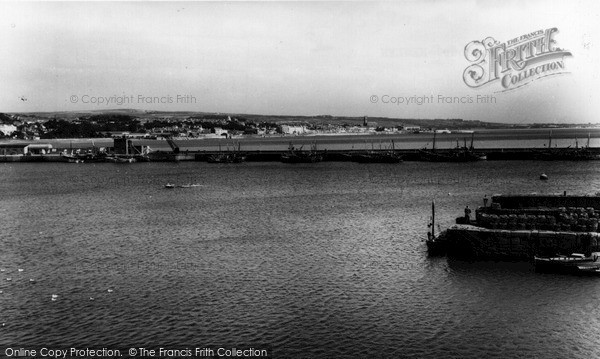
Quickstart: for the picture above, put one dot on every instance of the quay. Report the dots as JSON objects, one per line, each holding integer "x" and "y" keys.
{"x": 164, "y": 155}
{"x": 330, "y": 148}
{"x": 521, "y": 227}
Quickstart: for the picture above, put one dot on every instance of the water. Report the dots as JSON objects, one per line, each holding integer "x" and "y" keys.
{"x": 311, "y": 260}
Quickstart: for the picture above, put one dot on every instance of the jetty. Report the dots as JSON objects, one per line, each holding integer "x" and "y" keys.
{"x": 522, "y": 227}
{"x": 256, "y": 149}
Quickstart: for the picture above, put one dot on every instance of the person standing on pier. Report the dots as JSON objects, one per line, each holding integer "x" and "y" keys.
{"x": 485, "y": 201}
{"x": 467, "y": 215}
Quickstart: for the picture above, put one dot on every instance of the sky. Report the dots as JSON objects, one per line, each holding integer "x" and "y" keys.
{"x": 291, "y": 58}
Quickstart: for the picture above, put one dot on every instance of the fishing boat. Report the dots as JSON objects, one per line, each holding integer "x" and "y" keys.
{"x": 226, "y": 158}
{"x": 235, "y": 156}
{"x": 583, "y": 153}
{"x": 169, "y": 185}
{"x": 69, "y": 158}
{"x": 565, "y": 154}
{"x": 299, "y": 156}
{"x": 458, "y": 154}
{"x": 385, "y": 156}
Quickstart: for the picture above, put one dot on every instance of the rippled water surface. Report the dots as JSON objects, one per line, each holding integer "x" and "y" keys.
{"x": 314, "y": 260}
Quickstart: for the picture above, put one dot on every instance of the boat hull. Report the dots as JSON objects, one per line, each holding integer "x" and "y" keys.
{"x": 377, "y": 158}
{"x": 567, "y": 264}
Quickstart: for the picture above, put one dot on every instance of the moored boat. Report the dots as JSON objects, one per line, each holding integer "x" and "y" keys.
{"x": 436, "y": 245}
{"x": 377, "y": 157}
{"x": 457, "y": 154}
{"x": 574, "y": 263}
{"x": 299, "y": 156}
{"x": 235, "y": 156}
{"x": 226, "y": 158}
{"x": 382, "y": 156}
{"x": 120, "y": 159}
{"x": 565, "y": 154}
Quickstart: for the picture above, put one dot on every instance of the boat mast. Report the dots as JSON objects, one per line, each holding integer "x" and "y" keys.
{"x": 588, "y": 142}
{"x": 472, "y": 136}
{"x": 434, "y": 133}
{"x": 432, "y": 219}
{"x": 550, "y": 140}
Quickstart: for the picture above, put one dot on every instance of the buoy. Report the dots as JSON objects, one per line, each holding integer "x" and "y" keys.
{"x": 8, "y": 279}
{"x": 110, "y": 290}
{"x": 31, "y": 280}
{"x": 543, "y": 177}
{"x": 91, "y": 298}
{"x": 20, "y": 269}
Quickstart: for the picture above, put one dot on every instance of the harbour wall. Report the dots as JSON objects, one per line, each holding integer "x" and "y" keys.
{"x": 548, "y": 201}
{"x": 481, "y": 243}
{"x": 515, "y": 154}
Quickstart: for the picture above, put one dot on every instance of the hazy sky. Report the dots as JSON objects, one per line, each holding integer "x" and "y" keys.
{"x": 290, "y": 58}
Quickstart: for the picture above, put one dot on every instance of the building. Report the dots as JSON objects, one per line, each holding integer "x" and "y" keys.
{"x": 8, "y": 129}
{"x": 219, "y": 131}
{"x": 27, "y": 149}
{"x": 293, "y": 130}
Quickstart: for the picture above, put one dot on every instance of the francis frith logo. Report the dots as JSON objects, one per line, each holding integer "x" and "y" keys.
{"x": 516, "y": 62}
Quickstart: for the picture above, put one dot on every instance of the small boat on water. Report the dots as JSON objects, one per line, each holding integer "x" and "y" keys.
{"x": 189, "y": 185}
{"x": 574, "y": 263}
{"x": 120, "y": 159}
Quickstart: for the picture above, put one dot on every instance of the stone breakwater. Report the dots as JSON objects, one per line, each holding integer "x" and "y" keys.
{"x": 517, "y": 227}
{"x": 483, "y": 243}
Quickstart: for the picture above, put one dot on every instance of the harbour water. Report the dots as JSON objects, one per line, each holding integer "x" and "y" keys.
{"x": 323, "y": 260}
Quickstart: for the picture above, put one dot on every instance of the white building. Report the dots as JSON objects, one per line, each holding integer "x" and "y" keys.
{"x": 219, "y": 131}
{"x": 291, "y": 130}
{"x": 8, "y": 129}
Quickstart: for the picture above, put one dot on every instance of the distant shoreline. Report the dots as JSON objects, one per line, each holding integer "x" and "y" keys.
{"x": 482, "y": 140}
